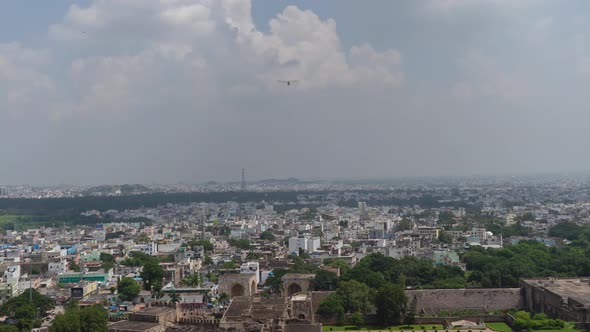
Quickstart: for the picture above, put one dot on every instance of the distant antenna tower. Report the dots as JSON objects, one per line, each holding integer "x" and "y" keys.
{"x": 243, "y": 183}
{"x": 203, "y": 218}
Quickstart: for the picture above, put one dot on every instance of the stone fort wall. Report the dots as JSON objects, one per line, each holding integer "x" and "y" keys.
{"x": 483, "y": 299}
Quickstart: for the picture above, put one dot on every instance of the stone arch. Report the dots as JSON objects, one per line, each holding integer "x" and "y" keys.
{"x": 293, "y": 289}
{"x": 237, "y": 290}
{"x": 301, "y": 316}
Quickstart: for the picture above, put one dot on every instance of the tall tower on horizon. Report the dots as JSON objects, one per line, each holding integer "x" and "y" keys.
{"x": 243, "y": 183}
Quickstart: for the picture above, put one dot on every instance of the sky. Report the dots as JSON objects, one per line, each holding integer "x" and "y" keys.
{"x": 144, "y": 91}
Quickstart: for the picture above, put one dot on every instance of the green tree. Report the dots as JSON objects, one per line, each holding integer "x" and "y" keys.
{"x": 274, "y": 281}
{"x": 267, "y": 235}
{"x": 94, "y": 319}
{"x": 128, "y": 289}
{"x": 73, "y": 266}
{"x": 91, "y": 319}
{"x": 330, "y": 306}
{"x": 191, "y": 280}
{"x": 357, "y": 319}
{"x": 175, "y": 297}
{"x": 405, "y": 225}
{"x": 25, "y": 312}
{"x": 324, "y": 281}
{"x": 152, "y": 275}
{"x": 445, "y": 237}
{"x": 142, "y": 238}
{"x": 355, "y": 296}
{"x": 302, "y": 266}
{"x": 108, "y": 261}
{"x": 252, "y": 255}
{"x": 208, "y": 261}
{"x": 26, "y": 317}
{"x": 341, "y": 264}
{"x": 66, "y": 322}
{"x": 568, "y": 230}
{"x": 138, "y": 258}
{"x": 391, "y": 304}
{"x": 228, "y": 265}
{"x": 156, "y": 289}
{"x": 243, "y": 244}
{"x": 410, "y": 317}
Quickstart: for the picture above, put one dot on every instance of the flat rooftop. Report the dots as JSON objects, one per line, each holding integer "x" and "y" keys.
{"x": 575, "y": 288}
{"x": 299, "y": 297}
{"x": 133, "y": 326}
{"x": 154, "y": 311}
{"x": 237, "y": 276}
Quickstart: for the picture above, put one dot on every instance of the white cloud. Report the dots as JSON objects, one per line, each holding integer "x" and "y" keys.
{"x": 135, "y": 50}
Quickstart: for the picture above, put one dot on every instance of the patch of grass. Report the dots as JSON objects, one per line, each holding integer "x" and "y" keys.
{"x": 327, "y": 328}
{"x": 569, "y": 327}
{"x": 503, "y": 327}
{"x": 6, "y": 219}
{"x": 22, "y": 222}
{"x": 499, "y": 327}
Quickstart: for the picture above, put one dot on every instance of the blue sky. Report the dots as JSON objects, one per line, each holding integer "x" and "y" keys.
{"x": 111, "y": 91}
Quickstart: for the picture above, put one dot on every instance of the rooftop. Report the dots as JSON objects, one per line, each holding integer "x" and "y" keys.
{"x": 574, "y": 288}
{"x": 154, "y": 311}
{"x": 299, "y": 297}
{"x": 133, "y": 326}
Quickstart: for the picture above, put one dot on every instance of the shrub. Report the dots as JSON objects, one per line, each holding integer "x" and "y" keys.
{"x": 540, "y": 316}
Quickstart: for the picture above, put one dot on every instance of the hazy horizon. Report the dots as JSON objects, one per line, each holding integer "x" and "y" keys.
{"x": 135, "y": 91}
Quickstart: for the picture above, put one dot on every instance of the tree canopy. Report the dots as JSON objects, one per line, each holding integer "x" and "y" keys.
{"x": 355, "y": 296}
{"x": 89, "y": 319}
{"x": 152, "y": 275}
{"x": 391, "y": 304}
{"x": 27, "y": 313}
{"x": 267, "y": 235}
{"x": 504, "y": 267}
{"x": 324, "y": 281}
{"x": 128, "y": 289}
{"x": 108, "y": 261}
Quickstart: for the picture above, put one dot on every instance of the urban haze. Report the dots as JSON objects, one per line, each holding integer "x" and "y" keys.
{"x": 294, "y": 166}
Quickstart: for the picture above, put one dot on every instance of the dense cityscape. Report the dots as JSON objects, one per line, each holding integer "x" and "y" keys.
{"x": 151, "y": 258}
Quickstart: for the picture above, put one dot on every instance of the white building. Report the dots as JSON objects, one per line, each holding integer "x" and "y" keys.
{"x": 481, "y": 233}
{"x": 251, "y": 268}
{"x": 147, "y": 248}
{"x": 12, "y": 274}
{"x": 309, "y": 244}
{"x": 57, "y": 267}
